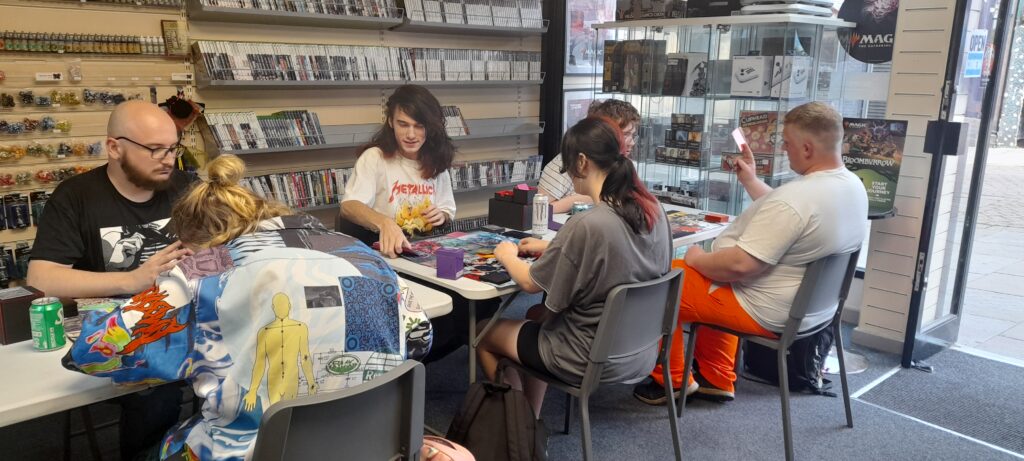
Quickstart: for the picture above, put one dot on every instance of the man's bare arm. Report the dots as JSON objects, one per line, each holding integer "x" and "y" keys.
{"x": 727, "y": 265}
{"x": 392, "y": 239}
{"x": 64, "y": 282}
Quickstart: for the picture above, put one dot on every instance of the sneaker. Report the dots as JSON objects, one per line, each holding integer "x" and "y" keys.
{"x": 708, "y": 391}
{"x": 652, "y": 393}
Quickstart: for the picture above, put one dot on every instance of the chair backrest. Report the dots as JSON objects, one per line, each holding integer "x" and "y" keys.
{"x": 824, "y": 287}
{"x": 379, "y": 419}
{"x": 636, "y": 316}
{"x": 354, "y": 230}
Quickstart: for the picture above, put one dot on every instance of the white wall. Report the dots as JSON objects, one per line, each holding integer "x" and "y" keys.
{"x": 915, "y": 87}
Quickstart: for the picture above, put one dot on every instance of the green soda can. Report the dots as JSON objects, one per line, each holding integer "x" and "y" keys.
{"x": 47, "y": 318}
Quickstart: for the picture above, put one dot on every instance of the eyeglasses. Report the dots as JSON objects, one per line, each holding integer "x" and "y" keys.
{"x": 634, "y": 136}
{"x": 158, "y": 153}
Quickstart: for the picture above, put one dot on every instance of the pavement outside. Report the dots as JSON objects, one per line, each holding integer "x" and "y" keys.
{"x": 993, "y": 314}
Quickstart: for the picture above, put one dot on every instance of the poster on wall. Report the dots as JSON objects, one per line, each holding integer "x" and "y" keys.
{"x": 872, "y": 40}
{"x": 977, "y": 41}
{"x": 584, "y": 55}
{"x": 575, "y": 105}
{"x": 873, "y": 150}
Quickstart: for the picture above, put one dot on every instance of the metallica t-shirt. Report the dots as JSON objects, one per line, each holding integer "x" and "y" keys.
{"x": 89, "y": 225}
{"x": 388, "y": 185}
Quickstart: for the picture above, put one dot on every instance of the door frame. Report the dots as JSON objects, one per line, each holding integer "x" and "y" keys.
{"x": 923, "y": 342}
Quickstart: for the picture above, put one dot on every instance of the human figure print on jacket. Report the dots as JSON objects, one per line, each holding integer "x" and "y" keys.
{"x": 247, "y": 325}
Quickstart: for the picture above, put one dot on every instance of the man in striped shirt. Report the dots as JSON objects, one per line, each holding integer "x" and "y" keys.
{"x": 557, "y": 185}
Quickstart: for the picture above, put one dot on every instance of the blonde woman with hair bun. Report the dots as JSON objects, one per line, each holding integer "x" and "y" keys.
{"x": 271, "y": 306}
{"x": 218, "y": 209}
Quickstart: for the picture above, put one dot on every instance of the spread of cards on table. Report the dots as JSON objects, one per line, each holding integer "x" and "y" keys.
{"x": 478, "y": 247}
{"x": 684, "y": 223}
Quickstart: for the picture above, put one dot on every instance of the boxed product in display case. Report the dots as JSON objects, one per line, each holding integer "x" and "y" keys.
{"x": 626, "y": 10}
{"x": 762, "y": 130}
{"x": 709, "y": 8}
{"x": 790, "y": 76}
{"x": 751, "y": 76}
{"x": 696, "y": 75}
{"x": 675, "y": 75}
{"x": 634, "y": 66}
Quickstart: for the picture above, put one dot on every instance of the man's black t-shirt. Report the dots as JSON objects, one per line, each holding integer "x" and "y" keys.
{"x": 89, "y": 225}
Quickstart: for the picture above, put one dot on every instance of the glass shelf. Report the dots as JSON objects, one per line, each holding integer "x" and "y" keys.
{"x": 729, "y": 72}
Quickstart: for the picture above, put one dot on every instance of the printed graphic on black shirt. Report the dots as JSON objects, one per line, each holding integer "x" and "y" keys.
{"x": 127, "y": 247}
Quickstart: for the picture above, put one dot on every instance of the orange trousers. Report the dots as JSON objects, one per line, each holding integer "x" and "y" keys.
{"x": 715, "y": 351}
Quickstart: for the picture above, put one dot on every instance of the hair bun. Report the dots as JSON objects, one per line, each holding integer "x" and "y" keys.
{"x": 225, "y": 170}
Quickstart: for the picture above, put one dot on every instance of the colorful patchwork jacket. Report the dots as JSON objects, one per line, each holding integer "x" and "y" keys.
{"x": 290, "y": 310}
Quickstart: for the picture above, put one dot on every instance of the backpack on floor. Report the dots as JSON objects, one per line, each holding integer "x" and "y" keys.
{"x": 496, "y": 423}
{"x": 803, "y": 365}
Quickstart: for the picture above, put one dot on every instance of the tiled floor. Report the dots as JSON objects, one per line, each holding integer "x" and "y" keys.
{"x": 993, "y": 317}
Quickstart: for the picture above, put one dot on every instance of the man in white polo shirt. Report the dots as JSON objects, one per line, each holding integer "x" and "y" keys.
{"x": 749, "y": 279}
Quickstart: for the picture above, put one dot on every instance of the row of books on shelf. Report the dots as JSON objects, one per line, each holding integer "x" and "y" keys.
{"x": 369, "y": 8}
{"x": 495, "y": 172}
{"x": 499, "y": 13}
{"x": 246, "y": 130}
{"x": 289, "y": 62}
{"x": 305, "y": 189}
{"x": 301, "y": 189}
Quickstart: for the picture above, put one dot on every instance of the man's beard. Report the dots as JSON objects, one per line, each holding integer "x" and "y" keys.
{"x": 139, "y": 178}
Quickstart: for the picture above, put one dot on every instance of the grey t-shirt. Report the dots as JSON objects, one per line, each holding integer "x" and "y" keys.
{"x": 594, "y": 252}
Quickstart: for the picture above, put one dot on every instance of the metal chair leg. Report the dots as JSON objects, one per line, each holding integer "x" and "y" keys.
{"x": 691, "y": 343}
{"x": 676, "y": 446}
{"x": 842, "y": 374}
{"x": 90, "y": 433}
{"x": 568, "y": 412}
{"x": 787, "y": 430}
{"x": 67, "y": 435}
{"x": 585, "y": 427}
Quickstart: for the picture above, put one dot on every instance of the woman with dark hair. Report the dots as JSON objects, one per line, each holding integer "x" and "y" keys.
{"x": 622, "y": 239}
{"x": 400, "y": 182}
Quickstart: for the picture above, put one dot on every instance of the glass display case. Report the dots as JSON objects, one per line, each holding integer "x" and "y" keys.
{"x": 695, "y": 80}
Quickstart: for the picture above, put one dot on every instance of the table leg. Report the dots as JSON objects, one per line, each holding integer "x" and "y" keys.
{"x": 472, "y": 341}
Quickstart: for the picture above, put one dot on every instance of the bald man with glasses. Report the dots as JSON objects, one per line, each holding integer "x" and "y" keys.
{"x": 106, "y": 233}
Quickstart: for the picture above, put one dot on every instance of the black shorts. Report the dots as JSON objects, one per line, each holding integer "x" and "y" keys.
{"x": 527, "y": 346}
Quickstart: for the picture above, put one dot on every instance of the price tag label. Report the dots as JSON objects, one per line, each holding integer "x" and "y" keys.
{"x": 111, "y": 79}
{"x": 49, "y": 76}
{"x": 181, "y": 77}
{"x": 158, "y": 79}
{"x": 55, "y": 105}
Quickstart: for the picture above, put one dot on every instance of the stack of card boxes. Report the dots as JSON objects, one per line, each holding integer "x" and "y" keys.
{"x": 682, "y": 141}
{"x": 512, "y": 209}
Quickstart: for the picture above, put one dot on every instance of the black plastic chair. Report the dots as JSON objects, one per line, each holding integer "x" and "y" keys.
{"x": 379, "y": 419}
{"x": 636, "y": 318}
{"x": 354, "y": 230}
{"x": 825, "y": 286}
